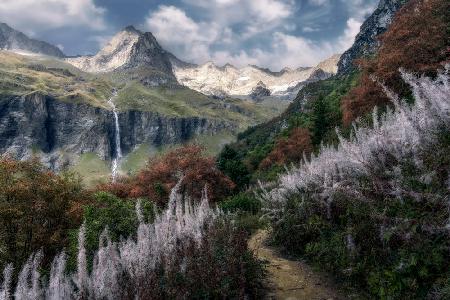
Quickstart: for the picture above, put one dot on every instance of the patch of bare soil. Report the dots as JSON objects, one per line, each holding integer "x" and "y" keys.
{"x": 292, "y": 279}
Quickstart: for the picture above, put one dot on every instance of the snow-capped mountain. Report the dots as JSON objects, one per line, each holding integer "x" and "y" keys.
{"x": 129, "y": 48}
{"x": 231, "y": 81}
{"x": 113, "y": 55}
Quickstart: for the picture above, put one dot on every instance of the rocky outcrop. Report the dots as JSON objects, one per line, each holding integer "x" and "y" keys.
{"x": 61, "y": 131}
{"x": 260, "y": 91}
{"x": 11, "y": 39}
{"x": 366, "y": 42}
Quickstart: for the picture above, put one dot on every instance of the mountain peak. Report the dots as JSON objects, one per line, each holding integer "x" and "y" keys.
{"x": 4, "y": 26}
{"x": 250, "y": 81}
{"x": 112, "y": 56}
{"x": 128, "y": 49}
{"x": 131, "y": 28}
{"x": 11, "y": 39}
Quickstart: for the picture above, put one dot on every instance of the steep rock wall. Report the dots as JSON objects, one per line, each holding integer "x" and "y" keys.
{"x": 61, "y": 131}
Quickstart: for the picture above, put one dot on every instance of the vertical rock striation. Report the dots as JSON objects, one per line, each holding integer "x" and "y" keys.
{"x": 61, "y": 131}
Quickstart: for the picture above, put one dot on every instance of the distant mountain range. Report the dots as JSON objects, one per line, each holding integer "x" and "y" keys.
{"x": 237, "y": 82}
{"x": 62, "y": 107}
{"x": 131, "y": 48}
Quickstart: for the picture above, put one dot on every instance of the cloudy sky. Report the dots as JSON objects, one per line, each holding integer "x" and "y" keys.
{"x": 268, "y": 33}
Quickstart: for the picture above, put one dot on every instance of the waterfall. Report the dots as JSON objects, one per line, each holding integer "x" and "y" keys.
{"x": 118, "y": 154}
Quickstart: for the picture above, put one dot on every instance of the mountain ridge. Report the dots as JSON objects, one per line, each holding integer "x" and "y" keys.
{"x": 228, "y": 80}
{"x": 11, "y": 39}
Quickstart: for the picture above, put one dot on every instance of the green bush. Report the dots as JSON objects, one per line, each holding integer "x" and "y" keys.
{"x": 110, "y": 213}
{"x": 243, "y": 202}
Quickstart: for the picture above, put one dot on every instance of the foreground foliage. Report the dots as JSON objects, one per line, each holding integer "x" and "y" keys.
{"x": 187, "y": 251}
{"x": 37, "y": 210}
{"x": 375, "y": 209}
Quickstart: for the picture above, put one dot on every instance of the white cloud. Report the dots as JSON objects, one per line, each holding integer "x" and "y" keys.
{"x": 270, "y": 10}
{"x": 194, "y": 40}
{"x": 173, "y": 28}
{"x": 214, "y": 39}
{"x": 252, "y": 16}
{"x": 27, "y": 15}
{"x": 350, "y": 32}
{"x": 286, "y": 50}
{"x": 310, "y": 29}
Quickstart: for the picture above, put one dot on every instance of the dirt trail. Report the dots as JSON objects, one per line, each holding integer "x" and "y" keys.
{"x": 290, "y": 279}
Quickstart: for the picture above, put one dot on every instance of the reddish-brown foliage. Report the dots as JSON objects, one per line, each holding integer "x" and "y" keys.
{"x": 162, "y": 173}
{"x": 37, "y": 208}
{"x": 362, "y": 99}
{"x": 417, "y": 41}
{"x": 289, "y": 149}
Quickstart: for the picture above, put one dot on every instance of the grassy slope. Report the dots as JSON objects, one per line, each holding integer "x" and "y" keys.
{"x": 25, "y": 74}
{"x": 255, "y": 143}
{"x": 22, "y": 74}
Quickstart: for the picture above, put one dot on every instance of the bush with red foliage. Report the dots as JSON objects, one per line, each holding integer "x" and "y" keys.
{"x": 37, "y": 210}
{"x": 161, "y": 174}
{"x": 417, "y": 41}
{"x": 289, "y": 149}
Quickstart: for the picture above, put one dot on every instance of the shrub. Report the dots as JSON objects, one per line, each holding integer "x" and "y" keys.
{"x": 374, "y": 209}
{"x": 115, "y": 214}
{"x": 416, "y": 41}
{"x": 289, "y": 150}
{"x": 231, "y": 165}
{"x": 189, "y": 251}
{"x": 37, "y": 210}
{"x": 243, "y": 202}
{"x": 162, "y": 173}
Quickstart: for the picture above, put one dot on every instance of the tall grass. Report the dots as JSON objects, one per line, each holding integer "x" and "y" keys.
{"x": 165, "y": 260}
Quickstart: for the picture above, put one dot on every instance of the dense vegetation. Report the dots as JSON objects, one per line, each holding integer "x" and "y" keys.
{"x": 417, "y": 41}
{"x": 37, "y": 210}
{"x": 157, "y": 179}
{"x": 374, "y": 211}
{"x": 160, "y": 242}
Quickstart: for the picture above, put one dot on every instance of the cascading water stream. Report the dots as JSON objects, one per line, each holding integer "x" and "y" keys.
{"x": 118, "y": 154}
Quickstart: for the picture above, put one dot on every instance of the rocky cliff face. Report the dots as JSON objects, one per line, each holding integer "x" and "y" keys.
{"x": 366, "y": 42}
{"x": 61, "y": 131}
{"x": 11, "y": 39}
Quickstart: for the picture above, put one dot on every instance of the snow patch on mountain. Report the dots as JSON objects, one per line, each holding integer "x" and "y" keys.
{"x": 229, "y": 80}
